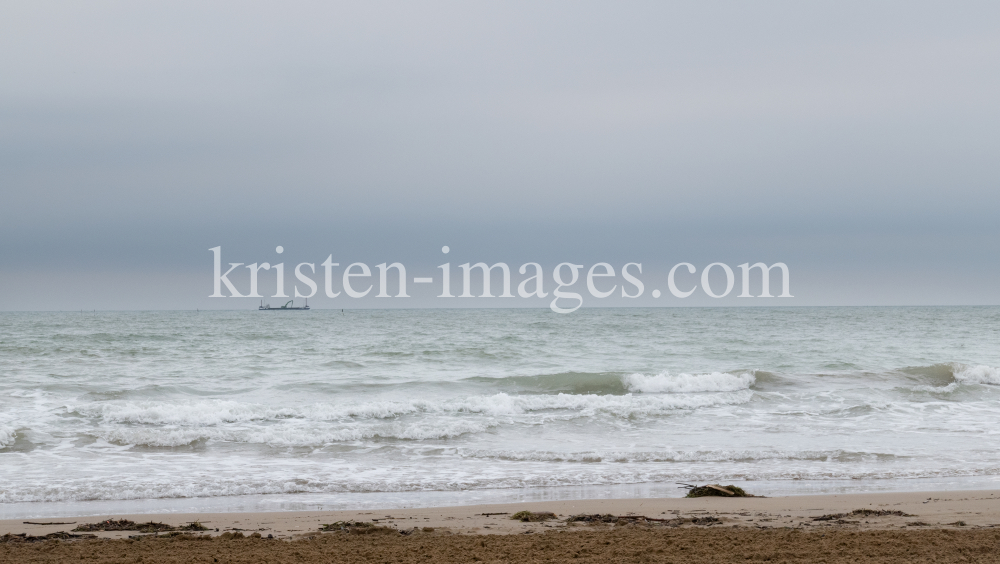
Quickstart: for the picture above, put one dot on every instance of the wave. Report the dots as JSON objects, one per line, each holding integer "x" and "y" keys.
{"x": 947, "y": 378}
{"x": 737, "y": 455}
{"x": 341, "y": 479}
{"x": 220, "y": 412}
{"x": 566, "y": 382}
{"x": 165, "y": 424}
{"x": 935, "y": 374}
{"x": 7, "y": 436}
{"x": 980, "y": 374}
{"x": 202, "y": 413}
{"x": 611, "y": 383}
{"x": 688, "y": 383}
{"x": 297, "y": 436}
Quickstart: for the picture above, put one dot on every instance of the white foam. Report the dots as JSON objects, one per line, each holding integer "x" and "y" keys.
{"x": 735, "y": 455}
{"x": 7, "y": 436}
{"x": 980, "y": 374}
{"x": 294, "y": 435}
{"x": 175, "y": 424}
{"x": 665, "y": 382}
{"x": 502, "y": 404}
{"x": 936, "y": 389}
{"x": 207, "y": 413}
{"x": 333, "y": 477}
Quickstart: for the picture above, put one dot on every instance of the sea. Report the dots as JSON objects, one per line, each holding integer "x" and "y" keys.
{"x": 170, "y": 411}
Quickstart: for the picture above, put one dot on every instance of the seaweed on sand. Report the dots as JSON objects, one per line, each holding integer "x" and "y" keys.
{"x": 22, "y": 537}
{"x": 152, "y": 527}
{"x": 357, "y": 528}
{"x": 108, "y": 525}
{"x": 126, "y": 525}
{"x": 716, "y": 490}
{"x": 861, "y": 513}
{"x": 345, "y": 525}
{"x": 533, "y": 516}
{"x": 596, "y": 518}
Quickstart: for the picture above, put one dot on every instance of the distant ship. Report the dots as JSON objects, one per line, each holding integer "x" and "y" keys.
{"x": 286, "y": 307}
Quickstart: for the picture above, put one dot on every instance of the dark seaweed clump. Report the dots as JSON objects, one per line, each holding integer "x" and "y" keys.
{"x": 357, "y": 528}
{"x": 533, "y": 516}
{"x": 717, "y": 490}
{"x": 126, "y": 525}
{"x": 61, "y": 535}
{"x": 596, "y": 518}
{"x": 861, "y": 513}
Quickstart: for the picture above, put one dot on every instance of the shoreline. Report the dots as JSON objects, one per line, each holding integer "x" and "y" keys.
{"x": 931, "y": 509}
{"x": 378, "y": 501}
{"x": 894, "y": 528}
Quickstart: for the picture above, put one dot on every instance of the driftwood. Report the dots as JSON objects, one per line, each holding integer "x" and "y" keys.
{"x": 720, "y": 489}
{"x": 33, "y": 523}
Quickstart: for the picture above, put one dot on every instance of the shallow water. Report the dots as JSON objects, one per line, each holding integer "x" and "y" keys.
{"x": 320, "y": 407}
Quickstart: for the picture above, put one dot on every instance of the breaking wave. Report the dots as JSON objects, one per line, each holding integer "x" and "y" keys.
{"x": 689, "y": 383}
{"x": 340, "y": 479}
{"x": 7, "y": 436}
{"x": 296, "y": 436}
{"x": 220, "y": 412}
{"x": 565, "y": 382}
{"x": 980, "y": 374}
{"x": 739, "y": 455}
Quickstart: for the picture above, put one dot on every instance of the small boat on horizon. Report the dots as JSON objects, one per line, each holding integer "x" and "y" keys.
{"x": 286, "y": 307}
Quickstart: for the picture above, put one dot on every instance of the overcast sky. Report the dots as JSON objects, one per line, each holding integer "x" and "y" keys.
{"x": 858, "y": 142}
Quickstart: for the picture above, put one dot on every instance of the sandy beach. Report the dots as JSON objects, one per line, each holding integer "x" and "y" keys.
{"x": 889, "y": 527}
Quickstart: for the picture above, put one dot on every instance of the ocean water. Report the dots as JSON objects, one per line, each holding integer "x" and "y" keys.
{"x": 164, "y": 411}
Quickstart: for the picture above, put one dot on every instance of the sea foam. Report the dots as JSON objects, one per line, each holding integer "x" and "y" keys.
{"x": 665, "y": 382}
{"x": 980, "y": 374}
{"x": 293, "y": 435}
{"x": 7, "y": 436}
{"x": 207, "y": 413}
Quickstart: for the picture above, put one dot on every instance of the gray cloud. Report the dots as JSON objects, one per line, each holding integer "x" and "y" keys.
{"x": 856, "y": 142}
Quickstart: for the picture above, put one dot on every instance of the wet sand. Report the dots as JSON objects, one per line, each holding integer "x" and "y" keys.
{"x": 894, "y": 527}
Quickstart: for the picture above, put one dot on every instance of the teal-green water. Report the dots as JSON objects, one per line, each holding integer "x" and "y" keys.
{"x": 178, "y": 405}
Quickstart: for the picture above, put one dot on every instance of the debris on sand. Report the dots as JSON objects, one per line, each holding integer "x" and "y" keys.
{"x": 61, "y": 535}
{"x": 715, "y": 490}
{"x": 344, "y": 525}
{"x": 533, "y": 516}
{"x": 595, "y": 518}
{"x": 357, "y": 528}
{"x": 861, "y": 513}
{"x": 152, "y": 527}
{"x": 639, "y": 519}
{"x": 126, "y": 525}
{"x": 108, "y": 525}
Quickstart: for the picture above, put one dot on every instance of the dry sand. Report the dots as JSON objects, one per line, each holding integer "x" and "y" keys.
{"x": 936, "y": 527}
